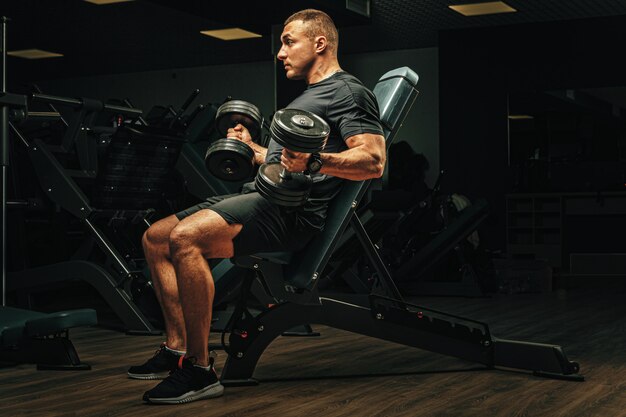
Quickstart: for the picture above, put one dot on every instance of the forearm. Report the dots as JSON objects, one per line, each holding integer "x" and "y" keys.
{"x": 259, "y": 153}
{"x": 239, "y": 132}
{"x": 354, "y": 164}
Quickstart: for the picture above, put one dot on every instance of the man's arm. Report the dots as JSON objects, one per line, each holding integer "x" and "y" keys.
{"x": 364, "y": 159}
{"x": 241, "y": 133}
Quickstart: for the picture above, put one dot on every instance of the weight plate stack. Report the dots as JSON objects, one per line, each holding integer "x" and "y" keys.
{"x": 299, "y": 130}
{"x": 233, "y": 112}
{"x": 230, "y": 160}
{"x": 290, "y": 190}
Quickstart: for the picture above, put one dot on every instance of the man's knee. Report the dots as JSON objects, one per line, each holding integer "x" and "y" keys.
{"x": 186, "y": 239}
{"x": 157, "y": 236}
{"x": 147, "y": 240}
{"x": 206, "y": 234}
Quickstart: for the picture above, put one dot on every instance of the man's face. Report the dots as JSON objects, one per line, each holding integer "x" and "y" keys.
{"x": 297, "y": 51}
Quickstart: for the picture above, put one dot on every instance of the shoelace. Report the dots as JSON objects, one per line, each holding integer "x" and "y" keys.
{"x": 159, "y": 350}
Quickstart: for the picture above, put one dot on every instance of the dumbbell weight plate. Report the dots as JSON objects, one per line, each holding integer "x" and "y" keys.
{"x": 299, "y": 130}
{"x": 291, "y": 193}
{"x": 234, "y": 112}
{"x": 230, "y": 160}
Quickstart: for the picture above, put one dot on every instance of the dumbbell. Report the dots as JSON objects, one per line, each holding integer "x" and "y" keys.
{"x": 296, "y": 130}
{"x": 230, "y": 159}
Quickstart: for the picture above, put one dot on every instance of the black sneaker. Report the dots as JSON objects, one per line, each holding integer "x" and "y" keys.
{"x": 158, "y": 367}
{"x": 187, "y": 383}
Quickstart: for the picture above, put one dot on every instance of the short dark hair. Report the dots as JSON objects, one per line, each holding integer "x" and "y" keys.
{"x": 317, "y": 23}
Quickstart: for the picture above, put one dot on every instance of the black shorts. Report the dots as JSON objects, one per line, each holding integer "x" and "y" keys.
{"x": 266, "y": 226}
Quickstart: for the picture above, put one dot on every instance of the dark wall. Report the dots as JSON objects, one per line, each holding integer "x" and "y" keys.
{"x": 479, "y": 68}
{"x": 251, "y": 81}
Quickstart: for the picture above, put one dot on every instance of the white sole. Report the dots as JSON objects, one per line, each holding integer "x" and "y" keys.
{"x": 211, "y": 391}
{"x": 161, "y": 375}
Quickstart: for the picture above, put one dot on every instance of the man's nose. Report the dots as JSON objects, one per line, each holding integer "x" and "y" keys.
{"x": 281, "y": 54}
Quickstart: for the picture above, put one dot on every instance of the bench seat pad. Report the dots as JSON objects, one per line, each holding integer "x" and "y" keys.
{"x": 15, "y": 323}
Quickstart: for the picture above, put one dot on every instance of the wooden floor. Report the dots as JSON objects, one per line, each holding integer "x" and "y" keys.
{"x": 327, "y": 376}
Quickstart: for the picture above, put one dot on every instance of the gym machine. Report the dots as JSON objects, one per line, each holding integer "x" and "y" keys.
{"x": 196, "y": 127}
{"x": 108, "y": 179}
{"x": 120, "y": 174}
{"x": 386, "y": 316}
{"x": 408, "y": 266}
{"x": 27, "y": 336}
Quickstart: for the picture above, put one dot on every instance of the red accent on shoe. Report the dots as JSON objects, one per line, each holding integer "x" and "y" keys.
{"x": 180, "y": 362}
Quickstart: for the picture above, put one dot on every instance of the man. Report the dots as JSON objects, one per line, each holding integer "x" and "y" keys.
{"x": 177, "y": 247}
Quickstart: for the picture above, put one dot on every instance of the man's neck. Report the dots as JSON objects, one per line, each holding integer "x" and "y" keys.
{"x": 322, "y": 71}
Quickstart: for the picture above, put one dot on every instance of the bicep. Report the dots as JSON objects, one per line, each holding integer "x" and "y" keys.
{"x": 369, "y": 142}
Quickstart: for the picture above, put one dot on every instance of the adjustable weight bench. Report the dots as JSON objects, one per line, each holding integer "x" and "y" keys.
{"x": 27, "y": 336}
{"x": 291, "y": 279}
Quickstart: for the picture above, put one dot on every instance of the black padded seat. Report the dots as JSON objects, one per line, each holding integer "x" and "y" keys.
{"x": 17, "y": 324}
{"x": 59, "y": 321}
{"x": 12, "y": 322}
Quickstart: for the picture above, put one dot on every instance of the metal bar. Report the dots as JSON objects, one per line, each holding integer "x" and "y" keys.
{"x": 3, "y": 43}
{"x": 108, "y": 248}
{"x": 73, "y": 129}
{"x": 66, "y": 101}
{"x": 140, "y": 118}
{"x": 4, "y": 228}
{"x": 123, "y": 110}
{"x": 77, "y": 103}
{"x": 51, "y": 106}
{"x": 193, "y": 114}
{"x": 374, "y": 258}
{"x": 189, "y": 100}
{"x": 4, "y": 154}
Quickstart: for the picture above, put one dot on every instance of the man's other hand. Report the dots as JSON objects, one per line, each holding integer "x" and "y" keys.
{"x": 239, "y": 132}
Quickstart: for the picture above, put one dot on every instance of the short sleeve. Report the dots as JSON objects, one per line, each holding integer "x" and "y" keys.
{"x": 354, "y": 111}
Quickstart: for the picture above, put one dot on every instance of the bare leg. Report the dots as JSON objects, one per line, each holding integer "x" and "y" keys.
{"x": 202, "y": 235}
{"x": 157, "y": 251}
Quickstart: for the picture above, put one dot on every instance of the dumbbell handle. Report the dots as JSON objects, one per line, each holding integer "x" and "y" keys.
{"x": 236, "y": 138}
{"x": 285, "y": 175}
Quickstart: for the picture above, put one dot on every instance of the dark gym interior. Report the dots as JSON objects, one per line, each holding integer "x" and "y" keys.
{"x": 483, "y": 274}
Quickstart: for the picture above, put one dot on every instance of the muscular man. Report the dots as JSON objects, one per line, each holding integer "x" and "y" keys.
{"x": 177, "y": 247}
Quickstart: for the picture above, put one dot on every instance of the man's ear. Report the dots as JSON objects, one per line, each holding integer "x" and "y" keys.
{"x": 320, "y": 44}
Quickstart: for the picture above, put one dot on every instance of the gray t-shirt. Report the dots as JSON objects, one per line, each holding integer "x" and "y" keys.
{"x": 350, "y": 109}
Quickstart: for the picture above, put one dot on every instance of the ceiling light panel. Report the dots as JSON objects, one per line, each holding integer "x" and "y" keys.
{"x": 477, "y": 9}
{"x": 33, "y": 54}
{"x": 520, "y": 117}
{"x": 101, "y": 2}
{"x": 230, "y": 34}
